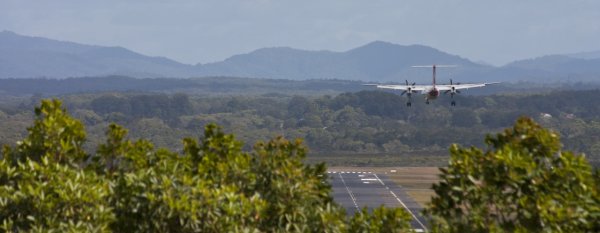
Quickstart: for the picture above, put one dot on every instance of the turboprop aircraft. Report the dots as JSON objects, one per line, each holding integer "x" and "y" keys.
{"x": 432, "y": 91}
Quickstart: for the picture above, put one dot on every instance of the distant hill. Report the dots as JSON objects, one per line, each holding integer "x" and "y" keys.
{"x": 556, "y": 68}
{"x": 586, "y": 55}
{"x": 30, "y": 57}
{"x": 376, "y": 61}
{"x": 24, "y": 56}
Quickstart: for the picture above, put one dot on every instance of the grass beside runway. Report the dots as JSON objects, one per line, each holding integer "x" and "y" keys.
{"x": 413, "y": 159}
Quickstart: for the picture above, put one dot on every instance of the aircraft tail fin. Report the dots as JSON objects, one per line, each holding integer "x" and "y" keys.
{"x": 433, "y": 67}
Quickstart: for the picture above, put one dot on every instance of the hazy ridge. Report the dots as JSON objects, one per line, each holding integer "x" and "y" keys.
{"x": 33, "y": 57}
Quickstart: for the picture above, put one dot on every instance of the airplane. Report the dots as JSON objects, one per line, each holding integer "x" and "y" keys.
{"x": 431, "y": 92}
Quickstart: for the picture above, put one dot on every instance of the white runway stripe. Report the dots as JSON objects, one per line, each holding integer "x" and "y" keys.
{"x": 350, "y": 192}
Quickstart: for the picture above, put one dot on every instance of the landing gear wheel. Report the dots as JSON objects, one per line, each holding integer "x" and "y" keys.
{"x": 408, "y": 104}
{"x": 426, "y": 102}
{"x": 453, "y": 103}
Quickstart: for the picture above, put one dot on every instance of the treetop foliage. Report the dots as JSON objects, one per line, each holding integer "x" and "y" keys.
{"x": 523, "y": 182}
{"x": 48, "y": 183}
{"x": 54, "y": 134}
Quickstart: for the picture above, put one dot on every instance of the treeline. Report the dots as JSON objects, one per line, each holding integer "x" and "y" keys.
{"x": 365, "y": 122}
{"x": 197, "y": 86}
{"x": 219, "y": 86}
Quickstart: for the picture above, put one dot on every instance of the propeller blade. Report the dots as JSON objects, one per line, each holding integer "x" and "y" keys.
{"x": 406, "y": 82}
{"x": 414, "y": 83}
{"x": 446, "y": 92}
{"x": 450, "y": 81}
{"x": 404, "y": 92}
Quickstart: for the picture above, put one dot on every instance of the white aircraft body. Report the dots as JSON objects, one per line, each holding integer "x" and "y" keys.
{"x": 432, "y": 91}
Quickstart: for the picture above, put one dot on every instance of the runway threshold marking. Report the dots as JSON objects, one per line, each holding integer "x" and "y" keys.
{"x": 349, "y": 192}
{"x": 402, "y": 203}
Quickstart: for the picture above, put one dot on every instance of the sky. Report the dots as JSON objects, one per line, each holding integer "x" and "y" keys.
{"x": 204, "y": 31}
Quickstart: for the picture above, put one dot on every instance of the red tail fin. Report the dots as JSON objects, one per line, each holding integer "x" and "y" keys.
{"x": 434, "y": 69}
{"x": 434, "y": 76}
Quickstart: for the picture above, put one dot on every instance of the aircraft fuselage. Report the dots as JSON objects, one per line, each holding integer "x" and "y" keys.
{"x": 433, "y": 93}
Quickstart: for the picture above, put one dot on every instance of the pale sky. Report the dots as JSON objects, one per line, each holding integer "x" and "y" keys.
{"x": 196, "y": 31}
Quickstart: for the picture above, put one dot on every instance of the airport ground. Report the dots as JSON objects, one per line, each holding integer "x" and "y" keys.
{"x": 415, "y": 181}
{"x": 401, "y": 187}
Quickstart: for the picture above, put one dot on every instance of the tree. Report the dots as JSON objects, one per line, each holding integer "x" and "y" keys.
{"x": 48, "y": 183}
{"x": 54, "y": 134}
{"x": 110, "y": 103}
{"x": 43, "y": 187}
{"x": 382, "y": 220}
{"x": 522, "y": 183}
{"x": 298, "y": 106}
{"x": 463, "y": 117}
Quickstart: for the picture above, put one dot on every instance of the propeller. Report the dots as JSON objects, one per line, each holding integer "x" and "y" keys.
{"x": 452, "y": 83}
{"x": 453, "y": 90}
{"x": 409, "y": 89}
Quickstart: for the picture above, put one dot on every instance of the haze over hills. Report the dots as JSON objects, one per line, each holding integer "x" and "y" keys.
{"x": 376, "y": 61}
{"x": 560, "y": 64}
{"x": 586, "y": 55}
{"x": 25, "y": 57}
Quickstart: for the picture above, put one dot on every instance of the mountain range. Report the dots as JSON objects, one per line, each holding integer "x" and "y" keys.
{"x": 26, "y": 57}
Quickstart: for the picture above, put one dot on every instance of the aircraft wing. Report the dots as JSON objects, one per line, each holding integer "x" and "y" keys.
{"x": 446, "y": 87}
{"x": 399, "y": 87}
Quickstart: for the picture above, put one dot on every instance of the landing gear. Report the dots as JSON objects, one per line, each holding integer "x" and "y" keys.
{"x": 408, "y": 104}
{"x": 427, "y": 102}
{"x": 453, "y": 103}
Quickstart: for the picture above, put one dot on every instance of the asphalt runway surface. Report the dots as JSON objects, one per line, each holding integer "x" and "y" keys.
{"x": 354, "y": 190}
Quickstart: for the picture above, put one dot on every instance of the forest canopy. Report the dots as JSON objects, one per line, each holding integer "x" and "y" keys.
{"x": 370, "y": 123}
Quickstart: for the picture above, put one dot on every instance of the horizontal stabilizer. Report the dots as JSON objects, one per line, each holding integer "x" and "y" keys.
{"x": 431, "y": 66}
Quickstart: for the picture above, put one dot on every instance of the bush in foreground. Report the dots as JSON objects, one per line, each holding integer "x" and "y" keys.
{"x": 522, "y": 183}
{"x": 49, "y": 183}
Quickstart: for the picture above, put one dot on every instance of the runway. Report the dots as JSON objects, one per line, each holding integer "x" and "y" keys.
{"x": 354, "y": 190}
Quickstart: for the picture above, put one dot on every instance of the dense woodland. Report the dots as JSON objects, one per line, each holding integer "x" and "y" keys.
{"x": 206, "y": 86}
{"x": 353, "y": 123}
